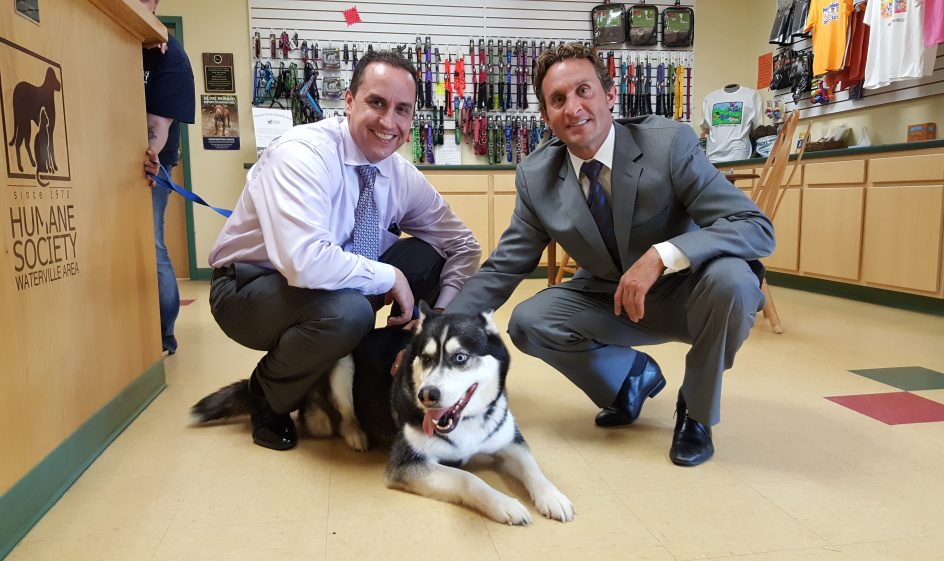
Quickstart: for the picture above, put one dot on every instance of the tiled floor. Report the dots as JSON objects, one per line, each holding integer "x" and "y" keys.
{"x": 795, "y": 477}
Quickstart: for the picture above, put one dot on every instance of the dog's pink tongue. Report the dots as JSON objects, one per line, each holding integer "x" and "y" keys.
{"x": 430, "y": 419}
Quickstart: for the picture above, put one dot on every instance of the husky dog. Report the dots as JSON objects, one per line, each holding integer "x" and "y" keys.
{"x": 446, "y": 404}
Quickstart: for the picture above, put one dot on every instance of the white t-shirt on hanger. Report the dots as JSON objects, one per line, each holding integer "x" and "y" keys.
{"x": 896, "y": 42}
{"x": 728, "y": 118}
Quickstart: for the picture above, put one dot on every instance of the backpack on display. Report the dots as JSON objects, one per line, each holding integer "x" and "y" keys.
{"x": 609, "y": 24}
{"x": 643, "y": 22}
{"x": 678, "y": 26}
{"x": 782, "y": 66}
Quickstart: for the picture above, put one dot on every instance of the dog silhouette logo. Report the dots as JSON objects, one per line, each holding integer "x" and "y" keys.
{"x": 36, "y": 104}
{"x": 33, "y": 107}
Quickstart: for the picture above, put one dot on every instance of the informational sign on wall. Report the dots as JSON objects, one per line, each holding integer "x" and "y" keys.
{"x": 39, "y": 212}
{"x": 218, "y": 73}
{"x": 220, "y": 122}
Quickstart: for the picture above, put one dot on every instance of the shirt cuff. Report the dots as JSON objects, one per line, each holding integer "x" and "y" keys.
{"x": 446, "y": 295}
{"x": 673, "y": 258}
{"x": 384, "y": 277}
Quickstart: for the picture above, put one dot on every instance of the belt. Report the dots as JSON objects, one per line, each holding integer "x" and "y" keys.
{"x": 222, "y": 272}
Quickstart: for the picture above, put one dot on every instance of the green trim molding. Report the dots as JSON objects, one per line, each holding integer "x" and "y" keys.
{"x": 891, "y": 298}
{"x": 32, "y": 496}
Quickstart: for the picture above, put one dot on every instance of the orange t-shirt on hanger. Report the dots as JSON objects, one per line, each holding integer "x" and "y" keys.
{"x": 829, "y": 22}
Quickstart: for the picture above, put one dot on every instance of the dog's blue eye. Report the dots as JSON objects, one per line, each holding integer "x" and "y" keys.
{"x": 460, "y": 358}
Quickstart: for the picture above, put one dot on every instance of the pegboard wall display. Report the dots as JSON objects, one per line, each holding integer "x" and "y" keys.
{"x": 475, "y": 64}
{"x": 808, "y": 97}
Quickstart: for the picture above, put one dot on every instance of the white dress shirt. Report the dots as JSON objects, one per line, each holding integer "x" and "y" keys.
{"x": 296, "y": 215}
{"x": 672, "y": 257}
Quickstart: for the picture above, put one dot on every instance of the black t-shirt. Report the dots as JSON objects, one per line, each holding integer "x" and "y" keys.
{"x": 169, "y": 92}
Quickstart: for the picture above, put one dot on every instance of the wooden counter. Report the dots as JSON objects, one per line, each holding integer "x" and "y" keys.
{"x": 79, "y": 333}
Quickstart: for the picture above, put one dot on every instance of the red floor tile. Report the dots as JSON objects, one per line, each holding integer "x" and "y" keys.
{"x": 895, "y": 408}
{"x": 186, "y": 302}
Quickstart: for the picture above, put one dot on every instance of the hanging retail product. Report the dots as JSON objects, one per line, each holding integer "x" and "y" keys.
{"x": 332, "y": 58}
{"x": 782, "y": 65}
{"x": 780, "y": 32}
{"x": 643, "y": 23}
{"x": 333, "y": 87}
{"x": 678, "y": 26}
{"x": 609, "y": 24}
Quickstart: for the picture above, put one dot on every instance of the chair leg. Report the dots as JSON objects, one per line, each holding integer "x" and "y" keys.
{"x": 770, "y": 311}
{"x": 560, "y": 270}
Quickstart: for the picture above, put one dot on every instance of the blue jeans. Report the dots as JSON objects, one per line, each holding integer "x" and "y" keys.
{"x": 168, "y": 296}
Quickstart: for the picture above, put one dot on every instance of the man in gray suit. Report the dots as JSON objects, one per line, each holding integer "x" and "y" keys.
{"x": 667, "y": 249}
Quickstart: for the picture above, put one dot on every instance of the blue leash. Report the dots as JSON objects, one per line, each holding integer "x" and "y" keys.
{"x": 163, "y": 179}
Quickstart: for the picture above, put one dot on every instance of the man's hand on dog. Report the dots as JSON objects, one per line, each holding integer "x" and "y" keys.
{"x": 151, "y": 166}
{"x": 402, "y": 295}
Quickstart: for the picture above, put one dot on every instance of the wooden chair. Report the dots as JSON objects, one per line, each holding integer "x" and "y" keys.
{"x": 769, "y": 191}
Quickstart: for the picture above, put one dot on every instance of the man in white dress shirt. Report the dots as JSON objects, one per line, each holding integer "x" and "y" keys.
{"x": 305, "y": 261}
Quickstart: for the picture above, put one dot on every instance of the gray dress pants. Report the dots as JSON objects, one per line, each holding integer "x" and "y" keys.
{"x": 305, "y": 331}
{"x": 574, "y": 330}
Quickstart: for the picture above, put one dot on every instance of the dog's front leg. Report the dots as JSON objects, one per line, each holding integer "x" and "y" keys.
{"x": 517, "y": 461}
{"x": 454, "y": 485}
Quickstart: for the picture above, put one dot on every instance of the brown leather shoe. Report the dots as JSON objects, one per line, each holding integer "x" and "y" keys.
{"x": 636, "y": 388}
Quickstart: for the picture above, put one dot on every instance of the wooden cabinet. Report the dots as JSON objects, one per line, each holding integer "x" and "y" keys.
{"x": 874, "y": 219}
{"x": 787, "y": 231}
{"x": 831, "y": 232}
{"x": 902, "y": 245}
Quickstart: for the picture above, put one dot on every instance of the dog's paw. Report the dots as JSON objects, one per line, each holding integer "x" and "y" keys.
{"x": 507, "y": 510}
{"x": 354, "y": 436}
{"x": 318, "y": 424}
{"x": 555, "y": 505}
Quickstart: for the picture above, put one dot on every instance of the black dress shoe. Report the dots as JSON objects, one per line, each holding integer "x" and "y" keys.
{"x": 636, "y": 388}
{"x": 691, "y": 443}
{"x": 269, "y": 429}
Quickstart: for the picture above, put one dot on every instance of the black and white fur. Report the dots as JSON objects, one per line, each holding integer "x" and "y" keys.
{"x": 446, "y": 404}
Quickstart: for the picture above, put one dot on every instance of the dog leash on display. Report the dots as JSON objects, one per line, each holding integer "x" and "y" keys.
{"x": 163, "y": 179}
{"x": 660, "y": 86}
{"x": 508, "y": 65}
{"x": 430, "y": 126}
{"x": 483, "y": 77}
{"x": 507, "y": 138}
{"x": 498, "y": 94}
{"x": 415, "y": 141}
{"x": 447, "y": 73}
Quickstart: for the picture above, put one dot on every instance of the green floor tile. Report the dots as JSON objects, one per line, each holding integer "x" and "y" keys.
{"x": 908, "y": 378}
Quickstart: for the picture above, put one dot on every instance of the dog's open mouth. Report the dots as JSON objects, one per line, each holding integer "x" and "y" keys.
{"x": 446, "y": 420}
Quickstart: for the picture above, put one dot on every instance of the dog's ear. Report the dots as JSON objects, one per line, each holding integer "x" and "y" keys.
{"x": 425, "y": 312}
{"x": 490, "y": 322}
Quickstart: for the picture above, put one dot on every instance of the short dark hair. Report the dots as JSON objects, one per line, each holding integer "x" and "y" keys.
{"x": 390, "y": 58}
{"x": 550, "y": 57}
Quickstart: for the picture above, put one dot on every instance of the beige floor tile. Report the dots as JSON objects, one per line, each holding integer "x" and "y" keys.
{"x": 440, "y": 530}
{"x": 924, "y": 548}
{"x": 762, "y": 457}
{"x": 136, "y": 546}
{"x": 866, "y": 507}
{"x": 818, "y": 554}
{"x": 604, "y": 528}
{"x": 299, "y": 539}
{"x": 108, "y": 508}
{"x": 718, "y": 521}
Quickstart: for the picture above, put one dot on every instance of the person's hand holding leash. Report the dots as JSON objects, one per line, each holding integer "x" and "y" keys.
{"x": 152, "y": 165}
{"x": 635, "y": 284}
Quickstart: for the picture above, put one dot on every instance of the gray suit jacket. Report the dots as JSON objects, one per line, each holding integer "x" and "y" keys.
{"x": 663, "y": 189}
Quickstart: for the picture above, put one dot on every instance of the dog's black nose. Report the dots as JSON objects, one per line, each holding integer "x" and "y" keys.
{"x": 430, "y": 395}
